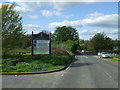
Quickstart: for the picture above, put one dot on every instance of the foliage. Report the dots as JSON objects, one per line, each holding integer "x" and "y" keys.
{"x": 27, "y": 41}
{"x": 12, "y": 32}
{"x": 40, "y": 63}
{"x": 85, "y": 45}
{"x": 116, "y": 44}
{"x": 65, "y": 33}
{"x": 101, "y": 42}
{"x": 74, "y": 47}
{"x": 88, "y": 45}
{"x": 69, "y": 45}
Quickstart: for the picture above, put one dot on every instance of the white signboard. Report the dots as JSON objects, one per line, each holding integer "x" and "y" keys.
{"x": 41, "y": 46}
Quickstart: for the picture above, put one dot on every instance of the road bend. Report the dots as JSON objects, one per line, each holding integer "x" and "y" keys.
{"x": 86, "y": 71}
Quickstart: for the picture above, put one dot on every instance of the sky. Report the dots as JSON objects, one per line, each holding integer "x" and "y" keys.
{"x": 88, "y": 18}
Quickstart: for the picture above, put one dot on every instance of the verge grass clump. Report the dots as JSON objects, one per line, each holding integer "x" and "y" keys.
{"x": 35, "y": 63}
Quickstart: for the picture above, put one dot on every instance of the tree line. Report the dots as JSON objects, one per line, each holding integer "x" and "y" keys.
{"x": 97, "y": 43}
{"x": 100, "y": 42}
{"x": 13, "y": 35}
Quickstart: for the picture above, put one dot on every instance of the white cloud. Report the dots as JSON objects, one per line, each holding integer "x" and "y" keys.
{"x": 48, "y": 13}
{"x": 29, "y": 28}
{"x": 108, "y": 21}
{"x": 33, "y": 16}
{"x": 63, "y": 5}
{"x": 21, "y": 9}
{"x": 96, "y": 14}
{"x": 24, "y": 7}
{"x": 32, "y": 26}
{"x": 87, "y": 34}
{"x": 91, "y": 32}
{"x": 61, "y": 1}
{"x": 52, "y": 32}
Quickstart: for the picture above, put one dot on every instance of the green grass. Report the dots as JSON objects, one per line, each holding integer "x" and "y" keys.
{"x": 21, "y": 50}
{"x": 35, "y": 64}
{"x": 13, "y": 62}
{"x": 115, "y": 60}
{"x": 115, "y": 56}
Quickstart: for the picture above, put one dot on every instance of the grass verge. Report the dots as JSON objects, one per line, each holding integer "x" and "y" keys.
{"x": 115, "y": 56}
{"x": 37, "y": 63}
{"x": 116, "y": 60}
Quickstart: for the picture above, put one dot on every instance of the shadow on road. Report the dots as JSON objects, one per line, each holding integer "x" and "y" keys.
{"x": 86, "y": 54}
{"x": 81, "y": 64}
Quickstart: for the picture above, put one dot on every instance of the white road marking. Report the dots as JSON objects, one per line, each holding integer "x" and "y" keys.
{"x": 108, "y": 75}
{"x": 68, "y": 66}
{"x": 115, "y": 83}
{"x": 86, "y": 57}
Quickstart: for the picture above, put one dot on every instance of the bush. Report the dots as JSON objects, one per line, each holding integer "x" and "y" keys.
{"x": 74, "y": 48}
{"x": 58, "y": 51}
{"x": 10, "y": 61}
{"x": 69, "y": 45}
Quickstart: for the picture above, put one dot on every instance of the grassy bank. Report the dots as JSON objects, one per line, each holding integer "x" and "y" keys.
{"x": 34, "y": 64}
{"x": 115, "y": 56}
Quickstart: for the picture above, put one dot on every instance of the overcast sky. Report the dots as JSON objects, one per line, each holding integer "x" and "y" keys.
{"x": 88, "y": 18}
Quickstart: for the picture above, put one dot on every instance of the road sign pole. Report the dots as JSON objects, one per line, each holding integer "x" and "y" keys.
{"x": 50, "y": 44}
{"x": 32, "y": 43}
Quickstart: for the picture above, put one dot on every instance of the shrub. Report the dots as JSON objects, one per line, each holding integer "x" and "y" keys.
{"x": 60, "y": 49}
{"x": 74, "y": 48}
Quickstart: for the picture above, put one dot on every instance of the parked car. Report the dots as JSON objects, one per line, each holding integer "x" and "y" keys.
{"x": 104, "y": 54}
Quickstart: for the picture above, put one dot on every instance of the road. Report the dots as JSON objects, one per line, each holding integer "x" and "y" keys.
{"x": 86, "y": 71}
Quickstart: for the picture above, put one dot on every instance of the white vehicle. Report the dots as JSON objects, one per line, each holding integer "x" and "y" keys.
{"x": 83, "y": 51}
{"x": 104, "y": 54}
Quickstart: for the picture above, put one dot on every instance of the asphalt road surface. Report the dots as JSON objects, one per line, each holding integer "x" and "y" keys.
{"x": 86, "y": 71}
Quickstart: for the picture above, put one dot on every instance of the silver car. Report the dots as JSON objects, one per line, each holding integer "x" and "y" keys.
{"x": 104, "y": 54}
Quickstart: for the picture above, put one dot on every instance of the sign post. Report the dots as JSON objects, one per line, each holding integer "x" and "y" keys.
{"x": 50, "y": 44}
{"x": 32, "y": 43}
{"x": 41, "y": 43}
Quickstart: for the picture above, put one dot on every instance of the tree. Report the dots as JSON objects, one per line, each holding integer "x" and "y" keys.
{"x": 75, "y": 46}
{"x": 108, "y": 45}
{"x": 65, "y": 33}
{"x": 88, "y": 45}
{"x": 116, "y": 44}
{"x": 12, "y": 32}
{"x": 27, "y": 41}
{"x": 101, "y": 42}
{"x": 73, "y": 33}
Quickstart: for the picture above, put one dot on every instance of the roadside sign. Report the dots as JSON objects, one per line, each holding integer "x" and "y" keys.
{"x": 41, "y": 43}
